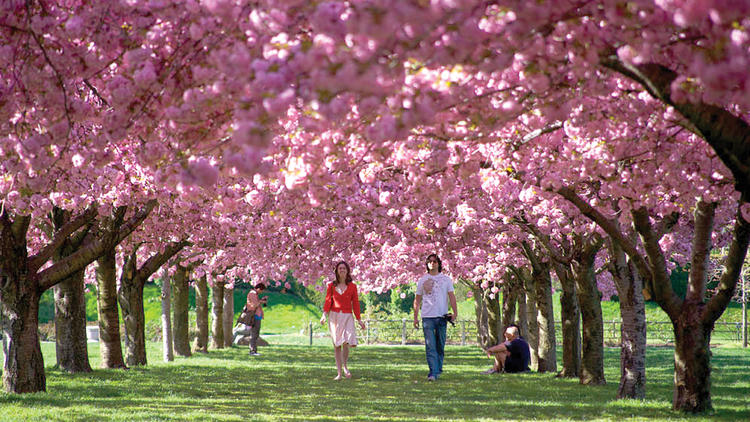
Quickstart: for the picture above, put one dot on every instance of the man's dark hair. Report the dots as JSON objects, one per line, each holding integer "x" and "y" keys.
{"x": 440, "y": 263}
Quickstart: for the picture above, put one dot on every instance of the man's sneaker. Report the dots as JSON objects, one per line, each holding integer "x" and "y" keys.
{"x": 254, "y": 354}
{"x": 490, "y": 371}
{"x": 431, "y": 378}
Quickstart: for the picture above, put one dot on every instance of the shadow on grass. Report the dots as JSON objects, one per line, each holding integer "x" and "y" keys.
{"x": 295, "y": 383}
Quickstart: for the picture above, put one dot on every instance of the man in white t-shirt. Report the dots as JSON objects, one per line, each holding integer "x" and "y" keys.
{"x": 434, "y": 290}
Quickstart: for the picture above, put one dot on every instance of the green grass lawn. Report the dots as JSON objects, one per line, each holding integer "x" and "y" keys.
{"x": 294, "y": 382}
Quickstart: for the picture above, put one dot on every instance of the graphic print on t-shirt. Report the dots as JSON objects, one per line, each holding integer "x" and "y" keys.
{"x": 430, "y": 289}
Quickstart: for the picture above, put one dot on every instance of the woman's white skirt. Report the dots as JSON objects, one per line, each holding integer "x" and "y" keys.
{"x": 342, "y": 328}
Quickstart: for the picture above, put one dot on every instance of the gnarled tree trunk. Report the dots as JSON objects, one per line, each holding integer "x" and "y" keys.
{"x": 71, "y": 345}
{"x": 110, "y": 348}
{"x": 217, "y": 316}
{"x": 201, "y": 314}
{"x": 130, "y": 296}
{"x": 23, "y": 371}
{"x": 633, "y": 330}
{"x": 180, "y": 321}
{"x": 542, "y": 285}
{"x": 510, "y": 297}
{"x": 532, "y": 334}
{"x": 589, "y": 299}
{"x": 571, "y": 318}
{"x": 488, "y": 318}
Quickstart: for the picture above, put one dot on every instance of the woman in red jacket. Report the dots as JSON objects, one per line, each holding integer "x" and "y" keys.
{"x": 341, "y": 301}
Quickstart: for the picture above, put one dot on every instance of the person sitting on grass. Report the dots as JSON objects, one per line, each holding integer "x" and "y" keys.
{"x": 513, "y": 355}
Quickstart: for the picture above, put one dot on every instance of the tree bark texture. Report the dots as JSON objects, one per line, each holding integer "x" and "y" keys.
{"x": 130, "y": 297}
{"x": 510, "y": 297}
{"x": 542, "y": 287}
{"x": 532, "y": 334}
{"x": 633, "y": 329}
{"x": 23, "y": 370}
{"x": 488, "y": 317}
{"x": 166, "y": 317}
{"x": 692, "y": 360}
{"x": 180, "y": 322}
{"x": 589, "y": 299}
{"x": 217, "y": 315}
{"x": 228, "y": 316}
{"x": 110, "y": 347}
{"x": 71, "y": 343}
{"x": 523, "y": 322}
{"x": 571, "y": 318}
{"x": 201, "y": 314}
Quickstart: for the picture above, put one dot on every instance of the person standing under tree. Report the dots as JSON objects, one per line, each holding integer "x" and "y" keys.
{"x": 434, "y": 290}
{"x": 341, "y": 301}
{"x": 254, "y": 305}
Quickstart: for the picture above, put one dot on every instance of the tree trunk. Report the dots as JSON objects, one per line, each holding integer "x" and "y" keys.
{"x": 130, "y": 295}
{"x": 217, "y": 316}
{"x": 692, "y": 361}
{"x": 488, "y": 318}
{"x": 510, "y": 297}
{"x": 181, "y": 324}
{"x": 228, "y": 316}
{"x": 166, "y": 320}
{"x": 71, "y": 345}
{"x": 545, "y": 320}
{"x": 571, "y": 317}
{"x": 109, "y": 320}
{"x": 201, "y": 314}
{"x": 589, "y": 299}
{"x": 23, "y": 371}
{"x": 482, "y": 318}
{"x": 532, "y": 334}
{"x": 523, "y": 322}
{"x": 633, "y": 330}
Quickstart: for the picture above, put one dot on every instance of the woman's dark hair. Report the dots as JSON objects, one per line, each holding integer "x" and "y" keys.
{"x": 260, "y": 285}
{"x": 336, "y": 272}
{"x": 440, "y": 263}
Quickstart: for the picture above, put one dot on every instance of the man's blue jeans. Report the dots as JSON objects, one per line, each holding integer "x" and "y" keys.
{"x": 434, "y": 343}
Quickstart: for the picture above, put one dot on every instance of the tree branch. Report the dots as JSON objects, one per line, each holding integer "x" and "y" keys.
{"x": 728, "y": 135}
{"x": 733, "y": 267}
{"x": 86, "y": 255}
{"x": 60, "y": 236}
{"x": 660, "y": 283}
{"x": 704, "y": 224}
